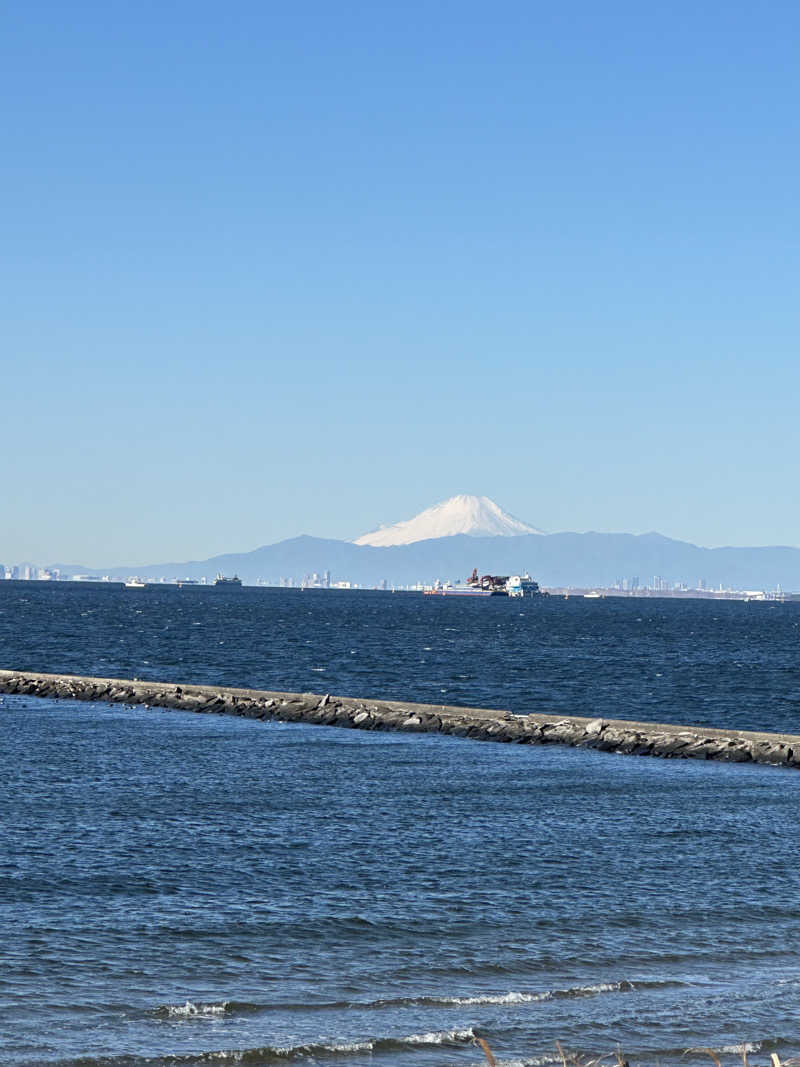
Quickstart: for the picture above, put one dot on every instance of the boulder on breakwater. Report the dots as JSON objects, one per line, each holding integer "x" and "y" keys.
{"x": 664, "y": 740}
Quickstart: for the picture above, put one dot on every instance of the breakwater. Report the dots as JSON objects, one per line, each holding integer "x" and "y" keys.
{"x": 664, "y": 740}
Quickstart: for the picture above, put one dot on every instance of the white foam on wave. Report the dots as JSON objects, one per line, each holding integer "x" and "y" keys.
{"x": 601, "y": 987}
{"x": 533, "y": 998}
{"x": 344, "y": 1046}
{"x": 439, "y": 1037}
{"x": 530, "y": 1061}
{"x": 192, "y": 1010}
{"x": 351, "y": 1046}
{"x": 746, "y": 1046}
{"x": 499, "y": 998}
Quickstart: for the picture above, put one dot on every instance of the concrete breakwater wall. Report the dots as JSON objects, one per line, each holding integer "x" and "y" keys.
{"x": 480, "y": 724}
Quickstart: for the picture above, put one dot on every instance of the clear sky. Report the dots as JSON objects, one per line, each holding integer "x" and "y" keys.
{"x": 270, "y": 269}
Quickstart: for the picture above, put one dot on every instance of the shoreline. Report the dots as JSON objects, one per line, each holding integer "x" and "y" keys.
{"x": 661, "y": 740}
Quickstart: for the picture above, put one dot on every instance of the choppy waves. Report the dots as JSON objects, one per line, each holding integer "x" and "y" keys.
{"x": 278, "y": 1053}
{"x": 431, "y": 1041}
{"x": 192, "y": 1010}
{"x": 180, "y": 889}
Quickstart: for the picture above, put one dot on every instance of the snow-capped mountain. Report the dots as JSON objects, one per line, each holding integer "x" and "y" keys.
{"x": 477, "y": 516}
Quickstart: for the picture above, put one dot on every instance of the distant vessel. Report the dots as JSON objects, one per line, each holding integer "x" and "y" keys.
{"x": 522, "y": 585}
{"x": 135, "y": 583}
{"x": 488, "y": 585}
{"x": 594, "y": 595}
{"x": 222, "y": 580}
{"x": 457, "y": 590}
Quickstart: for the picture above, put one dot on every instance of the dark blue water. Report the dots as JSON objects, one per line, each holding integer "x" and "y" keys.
{"x": 183, "y": 889}
{"x": 720, "y": 663}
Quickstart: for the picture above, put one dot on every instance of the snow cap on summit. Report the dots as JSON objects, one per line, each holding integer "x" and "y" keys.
{"x": 477, "y": 516}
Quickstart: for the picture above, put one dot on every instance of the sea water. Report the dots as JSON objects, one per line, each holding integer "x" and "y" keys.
{"x": 187, "y": 889}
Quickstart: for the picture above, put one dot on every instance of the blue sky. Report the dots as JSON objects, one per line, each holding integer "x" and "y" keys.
{"x": 272, "y": 269}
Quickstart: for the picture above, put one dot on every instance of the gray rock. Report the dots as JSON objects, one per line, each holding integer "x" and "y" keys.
{"x": 563, "y": 732}
{"x": 668, "y": 746}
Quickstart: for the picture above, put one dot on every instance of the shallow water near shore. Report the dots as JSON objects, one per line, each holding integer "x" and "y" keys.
{"x": 184, "y": 889}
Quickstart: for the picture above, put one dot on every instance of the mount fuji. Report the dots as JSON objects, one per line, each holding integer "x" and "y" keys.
{"x": 476, "y": 516}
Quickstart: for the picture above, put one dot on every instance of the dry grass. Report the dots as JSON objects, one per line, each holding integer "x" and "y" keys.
{"x": 618, "y": 1060}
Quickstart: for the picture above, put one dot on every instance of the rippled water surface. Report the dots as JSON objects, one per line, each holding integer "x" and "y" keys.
{"x": 185, "y": 889}
{"x": 721, "y": 663}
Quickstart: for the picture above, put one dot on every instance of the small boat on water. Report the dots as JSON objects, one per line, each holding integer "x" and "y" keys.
{"x": 135, "y": 583}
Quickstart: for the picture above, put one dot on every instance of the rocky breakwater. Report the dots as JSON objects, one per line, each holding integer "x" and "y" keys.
{"x": 664, "y": 740}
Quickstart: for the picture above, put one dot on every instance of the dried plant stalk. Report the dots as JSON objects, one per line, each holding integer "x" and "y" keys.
{"x": 487, "y": 1050}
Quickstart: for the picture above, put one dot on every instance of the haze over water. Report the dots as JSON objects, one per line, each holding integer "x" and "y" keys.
{"x": 185, "y": 889}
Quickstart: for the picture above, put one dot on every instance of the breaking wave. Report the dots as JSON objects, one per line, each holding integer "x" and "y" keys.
{"x": 190, "y": 1010}
{"x": 532, "y": 998}
{"x": 281, "y": 1054}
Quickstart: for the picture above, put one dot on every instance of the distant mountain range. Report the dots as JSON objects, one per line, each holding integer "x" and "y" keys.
{"x": 560, "y": 559}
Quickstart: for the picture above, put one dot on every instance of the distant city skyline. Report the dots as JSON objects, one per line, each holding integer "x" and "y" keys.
{"x": 312, "y": 269}
{"x": 657, "y": 585}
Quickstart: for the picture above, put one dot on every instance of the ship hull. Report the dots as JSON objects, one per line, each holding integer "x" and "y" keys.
{"x": 464, "y": 592}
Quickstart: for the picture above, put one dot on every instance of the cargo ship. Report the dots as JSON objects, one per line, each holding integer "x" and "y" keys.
{"x": 222, "y": 580}
{"x": 516, "y": 585}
